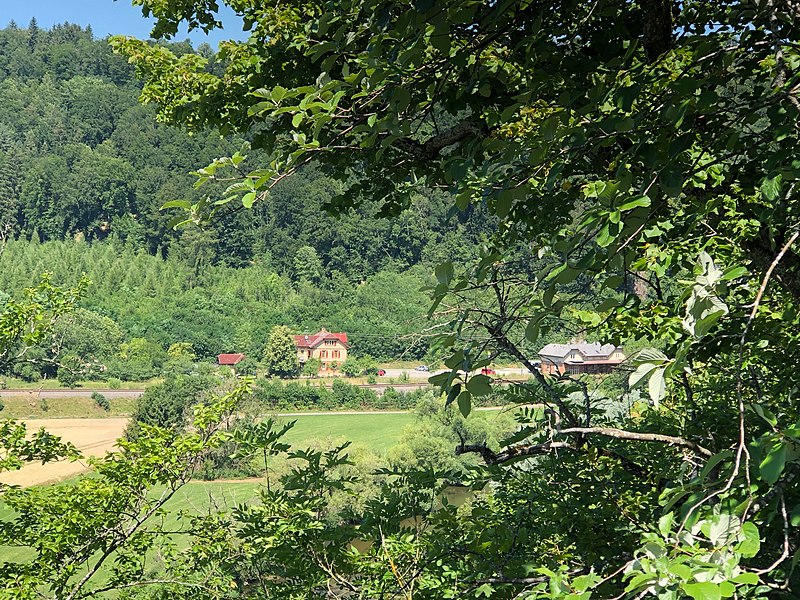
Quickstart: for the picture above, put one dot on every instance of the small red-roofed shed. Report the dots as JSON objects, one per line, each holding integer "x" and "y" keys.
{"x": 229, "y": 360}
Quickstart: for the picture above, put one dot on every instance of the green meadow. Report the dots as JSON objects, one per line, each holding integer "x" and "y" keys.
{"x": 377, "y": 431}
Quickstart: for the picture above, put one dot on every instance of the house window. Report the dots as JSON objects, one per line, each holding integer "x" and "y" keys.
{"x": 335, "y": 354}
{"x": 323, "y": 354}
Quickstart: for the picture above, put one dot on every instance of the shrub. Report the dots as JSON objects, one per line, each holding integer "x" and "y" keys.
{"x": 101, "y": 401}
{"x": 311, "y": 367}
{"x": 69, "y": 371}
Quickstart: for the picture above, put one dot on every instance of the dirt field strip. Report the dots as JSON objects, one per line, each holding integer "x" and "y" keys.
{"x": 93, "y": 437}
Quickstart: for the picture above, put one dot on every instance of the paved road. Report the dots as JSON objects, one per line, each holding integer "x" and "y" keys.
{"x": 115, "y": 394}
{"x": 423, "y": 375}
{"x": 418, "y": 380}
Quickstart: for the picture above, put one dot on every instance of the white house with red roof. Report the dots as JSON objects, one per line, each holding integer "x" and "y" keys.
{"x": 328, "y": 347}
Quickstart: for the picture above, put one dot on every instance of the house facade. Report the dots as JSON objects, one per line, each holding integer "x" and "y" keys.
{"x": 327, "y": 347}
{"x": 580, "y": 357}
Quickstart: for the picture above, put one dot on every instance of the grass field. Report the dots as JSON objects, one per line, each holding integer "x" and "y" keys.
{"x": 12, "y": 383}
{"x": 196, "y": 497}
{"x": 94, "y": 436}
{"x": 378, "y": 431}
{"x": 56, "y": 408}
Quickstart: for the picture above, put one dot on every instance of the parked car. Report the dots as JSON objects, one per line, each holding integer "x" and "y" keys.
{"x": 381, "y": 372}
{"x": 488, "y": 371}
{"x": 422, "y": 368}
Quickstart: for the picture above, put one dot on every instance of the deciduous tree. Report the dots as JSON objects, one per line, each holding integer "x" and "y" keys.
{"x": 280, "y": 353}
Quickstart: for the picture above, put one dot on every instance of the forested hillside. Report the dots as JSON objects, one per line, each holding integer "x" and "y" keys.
{"x": 81, "y": 158}
{"x": 84, "y": 171}
{"x": 636, "y": 162}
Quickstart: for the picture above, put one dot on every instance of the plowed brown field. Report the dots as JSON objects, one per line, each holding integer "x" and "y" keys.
{"x": 94, "y": 437}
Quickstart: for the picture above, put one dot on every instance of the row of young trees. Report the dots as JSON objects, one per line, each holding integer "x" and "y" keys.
{"x": 142, "y": 314}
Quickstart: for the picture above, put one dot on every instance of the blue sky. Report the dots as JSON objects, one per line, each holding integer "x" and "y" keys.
{"x": 106, "y": 17}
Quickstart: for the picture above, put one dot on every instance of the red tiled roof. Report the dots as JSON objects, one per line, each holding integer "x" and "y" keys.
{"x": 312, "y": 341}
{"x": 229, "y": 359}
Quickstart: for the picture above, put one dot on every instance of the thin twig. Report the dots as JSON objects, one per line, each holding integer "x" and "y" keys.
{"x": 785, "y": 554}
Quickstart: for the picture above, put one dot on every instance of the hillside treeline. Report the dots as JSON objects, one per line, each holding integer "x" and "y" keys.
{"x": 81, "y": 158}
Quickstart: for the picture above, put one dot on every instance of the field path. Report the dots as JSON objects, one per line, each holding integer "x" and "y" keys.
{"x": 93, "y": 437}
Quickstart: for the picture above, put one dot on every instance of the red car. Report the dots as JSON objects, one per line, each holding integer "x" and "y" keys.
{"x": 488, "y": 371}
{"x": 381, "y": 372}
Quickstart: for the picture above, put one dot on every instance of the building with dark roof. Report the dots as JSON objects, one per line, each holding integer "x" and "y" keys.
{"x": 580, "y": 357}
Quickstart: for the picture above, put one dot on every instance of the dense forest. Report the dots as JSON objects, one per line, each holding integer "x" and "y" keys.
{"x": 81, "y": 159}
{"x": 84, "y": 171}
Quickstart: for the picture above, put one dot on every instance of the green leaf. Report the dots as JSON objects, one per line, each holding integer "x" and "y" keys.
{"x": 640, "y": 373}
{"x": 681, "y": 570}
{"x": 464, "y": 403}
{"x": 771, "y": 187}
{"x": 765, "y": 414}
{"x": 278, "y": 93}
{"x": 605, "y": 237}
{"x": 794, "y": 518}
{"x": 751, "y": 544}
{"x": 650, "y": 355}
{"x": 549, "y": 127}
{"x": 657, "y": 386}
{"x": 444, "y": 273}
{"x": 704, "y": 590}
{"x": 665, "y": 524}
{"x": 479, "y": 385}
{"x": 772, "y": 465}
{"x": 248, "y": 200}
{"x": 440, "y": 379}
{"x": 746, "y": 579}
{"x": 532, "y": 330}
{"x": 713, "y": 462}
{"x": 503, "y": 202}
{"x": 733, "y": 273}
{"x": 186, "y": 204}
{"x": 634, "y": 203}
{"x": 672, "y": 181}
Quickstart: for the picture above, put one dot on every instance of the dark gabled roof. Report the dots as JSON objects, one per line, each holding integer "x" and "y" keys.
{"x": 594, "y": 350}
{"x": 229, "y": 359}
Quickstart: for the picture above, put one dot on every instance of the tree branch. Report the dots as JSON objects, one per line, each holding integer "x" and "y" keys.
{"x": 495, "y": 458}
{"x": 657, "y": 26}
{"x": 433, "y": 146}
{"x": 621, "y": 434}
